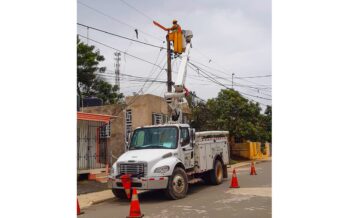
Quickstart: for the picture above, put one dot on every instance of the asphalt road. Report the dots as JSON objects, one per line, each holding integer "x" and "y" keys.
{"x": 252, "y": 199}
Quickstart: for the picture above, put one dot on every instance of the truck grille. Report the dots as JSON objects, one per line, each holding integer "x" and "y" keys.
{"x": 133, "y": 168}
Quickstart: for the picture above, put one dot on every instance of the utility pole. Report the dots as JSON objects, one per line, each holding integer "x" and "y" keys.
{"x": 117, "y": 68}
{"x": 232, "y": 80}
{"x": 169, "y": 70}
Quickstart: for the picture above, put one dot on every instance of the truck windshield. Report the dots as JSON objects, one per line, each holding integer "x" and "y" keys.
{"x": 155, "y": 137}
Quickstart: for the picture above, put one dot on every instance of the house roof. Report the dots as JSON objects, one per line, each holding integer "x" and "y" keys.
{"x": 93, "y": 117}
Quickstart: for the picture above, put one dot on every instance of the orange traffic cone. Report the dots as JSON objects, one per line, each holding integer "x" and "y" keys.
{"x": 78, "y": 207}
{"x": 234, "y": 181}
{"x": 135, "y": 209}
{"x": 126, "y": 183}
{"x": 253, "y": 169}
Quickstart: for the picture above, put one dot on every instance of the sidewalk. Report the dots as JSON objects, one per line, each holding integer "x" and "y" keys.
{"x": 86, "y": 200}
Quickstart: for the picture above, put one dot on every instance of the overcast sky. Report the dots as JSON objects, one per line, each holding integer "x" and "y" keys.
{"x": 234, "y": 34}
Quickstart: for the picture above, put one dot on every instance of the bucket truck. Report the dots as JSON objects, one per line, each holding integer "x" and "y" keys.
{"x": 171, "y": 156}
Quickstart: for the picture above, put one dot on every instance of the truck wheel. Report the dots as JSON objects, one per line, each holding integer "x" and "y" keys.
{"x": 119, "y": 193}
{"x": 178, "y": 184}
{"x": 216, "y": 174}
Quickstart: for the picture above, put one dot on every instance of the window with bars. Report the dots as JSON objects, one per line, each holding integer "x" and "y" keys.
{"x": 158, "y": 118}
{"x": 128, "y": 122}
{"x": 105, "y": 131}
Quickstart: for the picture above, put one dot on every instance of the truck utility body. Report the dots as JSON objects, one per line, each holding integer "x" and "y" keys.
{"x": 169, "y": 157}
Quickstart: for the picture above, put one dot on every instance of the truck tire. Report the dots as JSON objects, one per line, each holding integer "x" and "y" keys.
{"x": 119, "y": 193}
{"x": 216, "y": 174}
{"x": 177, "y": 184}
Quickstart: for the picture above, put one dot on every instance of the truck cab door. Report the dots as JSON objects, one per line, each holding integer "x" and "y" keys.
{"x": 186, "y": 148}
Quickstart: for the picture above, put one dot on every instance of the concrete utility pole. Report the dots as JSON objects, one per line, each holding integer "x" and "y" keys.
{"x": 117, "y": 68}
{"x": 232, "y": 80}
{"x": 169, "y": 70}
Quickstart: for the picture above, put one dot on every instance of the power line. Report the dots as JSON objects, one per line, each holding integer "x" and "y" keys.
{"x": 123, "y": 37}
{"x": 226, "y": 79}
{"x": 125, "y": 53}
{"x": 140, "y": 12}
{"x": 252, "y": 76}
{"x": 218, "y": 83}
{"x": 212, "y": 68}
{"x": 119, "y": 21}
{"x": 141, "y": 89}
{"x": 150, "y": 74}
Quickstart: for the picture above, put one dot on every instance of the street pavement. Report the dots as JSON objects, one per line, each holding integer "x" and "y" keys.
{"x": 252, "y": 199}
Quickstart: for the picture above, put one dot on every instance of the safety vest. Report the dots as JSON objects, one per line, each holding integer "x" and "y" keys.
{"x": 177, "y": 28}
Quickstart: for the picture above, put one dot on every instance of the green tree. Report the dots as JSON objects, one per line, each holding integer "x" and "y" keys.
{"x": 231, "y": 111}
{"x": 88, "y": 85}
{"x": 105, "y": 91}
{"x": 88, "y": 60}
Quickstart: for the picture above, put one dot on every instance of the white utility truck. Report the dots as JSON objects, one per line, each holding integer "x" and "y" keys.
{"x": 172, "y": 156}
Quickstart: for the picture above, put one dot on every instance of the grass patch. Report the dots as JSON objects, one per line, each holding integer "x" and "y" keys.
{"x": 237, "y": 159}
{"x": 231, "y": 161}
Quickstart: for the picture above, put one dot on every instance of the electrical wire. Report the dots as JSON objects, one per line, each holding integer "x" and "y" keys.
{"x": 119, "y": 21}
{"x": 218, "y": 83}
{"x": 139, "y": 11}
{"x": 123, "y": 37}
{"x": 125, "y": 53}
{"x": 239, "y": 77}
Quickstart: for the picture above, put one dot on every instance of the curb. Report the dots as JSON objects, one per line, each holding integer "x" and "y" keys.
{"x": 244, "y": 163}
{"x": 101, "y": 200}
{"x": 97, "y": 202}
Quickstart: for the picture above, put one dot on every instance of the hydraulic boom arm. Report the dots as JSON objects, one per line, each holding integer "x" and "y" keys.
{"x": 176, "y": 99}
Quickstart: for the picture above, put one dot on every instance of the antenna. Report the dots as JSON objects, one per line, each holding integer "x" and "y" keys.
{"x": 117, "y": 68}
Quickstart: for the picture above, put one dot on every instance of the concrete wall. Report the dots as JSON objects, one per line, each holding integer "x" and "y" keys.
{"x": 116, "y": 141}
{"x": 144, "y": 106}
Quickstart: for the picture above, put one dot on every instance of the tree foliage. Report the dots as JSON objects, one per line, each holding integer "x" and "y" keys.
{"x": 88, "y": 61}
{"x": 231, "y": 111}
{"x": 105, "y": 91}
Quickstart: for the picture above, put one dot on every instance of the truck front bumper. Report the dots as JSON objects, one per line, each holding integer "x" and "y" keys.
{"x": 140, "y": 183}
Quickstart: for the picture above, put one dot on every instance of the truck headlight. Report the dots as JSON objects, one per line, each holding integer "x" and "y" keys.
{"x": 162, "y": 169}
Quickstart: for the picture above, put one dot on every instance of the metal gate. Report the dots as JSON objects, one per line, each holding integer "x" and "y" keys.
{"x": 91, "y": 148}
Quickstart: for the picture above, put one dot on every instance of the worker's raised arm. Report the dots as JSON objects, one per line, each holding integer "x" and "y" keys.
{"x": 159, "y": 25}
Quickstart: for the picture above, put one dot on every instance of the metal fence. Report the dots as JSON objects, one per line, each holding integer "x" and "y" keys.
{"x": 91, "y": 147}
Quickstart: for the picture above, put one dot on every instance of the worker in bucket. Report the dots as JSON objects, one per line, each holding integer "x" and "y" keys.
{"x": 175, "y": 27}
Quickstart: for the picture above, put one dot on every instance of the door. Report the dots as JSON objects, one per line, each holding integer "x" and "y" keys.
{"x": 186, "y": 148}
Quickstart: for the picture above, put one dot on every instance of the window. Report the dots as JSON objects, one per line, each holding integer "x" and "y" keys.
{"x": 185, "y": 136}
{"x": 154, "y": 137}
{"x": 157, "y": 119}
{"x": 128, "y": 122}
{"x": 105, "y": 131}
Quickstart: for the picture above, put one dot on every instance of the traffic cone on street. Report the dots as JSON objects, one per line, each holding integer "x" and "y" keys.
{"x": 234, "y": 181}
{"x": 126, "y": 183}
{"x": 135, "y": 209}
{"x": 78, "y": 207}
{"x": 253, "y": 169}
